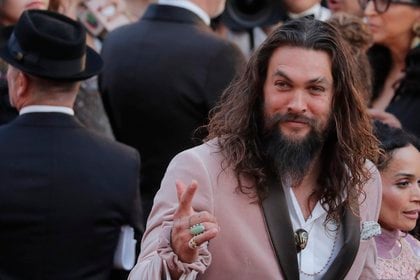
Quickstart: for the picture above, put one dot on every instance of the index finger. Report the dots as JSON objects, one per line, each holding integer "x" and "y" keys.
{"x": 185, "y": 197}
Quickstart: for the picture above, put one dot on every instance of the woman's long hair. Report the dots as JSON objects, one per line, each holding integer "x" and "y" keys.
{"x": 410, "y": 84}
{"x": 237, "y": 119}
{"x": 380, "y": 60}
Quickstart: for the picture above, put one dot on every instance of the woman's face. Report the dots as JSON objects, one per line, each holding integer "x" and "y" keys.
{"x": 394, "y": 25}
{"x": 11, "y": 10}
{"x": 345, "y": 6}
{"x": 401, "y": 190}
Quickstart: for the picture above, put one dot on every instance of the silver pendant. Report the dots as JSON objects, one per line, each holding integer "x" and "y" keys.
{"x": 301, "y": 239}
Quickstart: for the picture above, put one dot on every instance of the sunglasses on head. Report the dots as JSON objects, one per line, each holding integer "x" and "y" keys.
{"x": 381, "y": 6}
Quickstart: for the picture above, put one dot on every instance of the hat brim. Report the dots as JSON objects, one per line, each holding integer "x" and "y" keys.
{"x": 93, "y": 64}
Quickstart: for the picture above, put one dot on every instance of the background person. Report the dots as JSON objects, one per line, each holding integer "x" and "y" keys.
{"x": 306, "y": 8}
{"x": 65, "y": 192}
{"x": 398, "y": 251}
{"x": 345, "y": 6}
{"x": 359, "y": 38}
{"x": 395, "y": 58}
{"x": 161, "y": 77}
{"x": 88, "y": 106}
{"x": 11, "y": 10}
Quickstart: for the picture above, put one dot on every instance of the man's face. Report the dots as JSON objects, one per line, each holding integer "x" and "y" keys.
{"x": 298, "y": 92}
{"x": 216, "y": 7}
{"x": 299, "y": 6}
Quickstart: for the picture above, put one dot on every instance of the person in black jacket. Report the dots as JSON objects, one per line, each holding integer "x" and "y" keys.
{"x": 161, "y": 77}
{"x": 65, "y": 192}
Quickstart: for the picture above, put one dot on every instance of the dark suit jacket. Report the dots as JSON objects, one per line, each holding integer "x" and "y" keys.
{"x": 161, "y": 77}
{"x": 64, "y": 193}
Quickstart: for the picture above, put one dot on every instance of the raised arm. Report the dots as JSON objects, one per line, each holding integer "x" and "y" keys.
{"x": 169, "y": 249}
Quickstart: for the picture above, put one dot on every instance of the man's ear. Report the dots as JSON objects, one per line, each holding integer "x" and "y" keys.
{"x": 22, "y": 85}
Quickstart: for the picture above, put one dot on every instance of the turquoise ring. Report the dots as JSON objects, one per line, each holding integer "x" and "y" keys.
{"x": 197, "y": 229}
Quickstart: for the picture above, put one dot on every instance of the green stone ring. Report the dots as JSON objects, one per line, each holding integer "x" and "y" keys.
{"x": 197, "y": 229}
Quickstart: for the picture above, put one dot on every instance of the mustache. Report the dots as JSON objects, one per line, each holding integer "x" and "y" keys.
{"x": 279, "y": 118}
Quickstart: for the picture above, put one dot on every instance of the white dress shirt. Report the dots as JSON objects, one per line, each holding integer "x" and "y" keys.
{"x": 319, "y": 12}
{"x": 189, "y": 6}
{"x": 323, "y": 245}
{"x": 46, "y": 109}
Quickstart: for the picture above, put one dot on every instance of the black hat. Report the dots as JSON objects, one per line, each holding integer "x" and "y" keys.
{"x": 51, "y": 46}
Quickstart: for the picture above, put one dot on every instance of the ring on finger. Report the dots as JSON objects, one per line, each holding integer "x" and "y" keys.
{"x": 197, "y": 229}
{"x": 192, "y": 244}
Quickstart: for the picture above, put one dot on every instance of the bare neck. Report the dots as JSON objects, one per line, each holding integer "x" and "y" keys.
{"x": 57, "y": 99}
{"x": 304, "y": 191}
{"x": 399, "y": 50}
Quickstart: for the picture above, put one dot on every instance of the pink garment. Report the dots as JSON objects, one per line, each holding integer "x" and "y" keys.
{"x": 243, "y": 248}
{"x": 398, "y": 255}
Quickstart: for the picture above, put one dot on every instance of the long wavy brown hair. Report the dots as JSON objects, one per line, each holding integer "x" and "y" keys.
{"x": 236, "y": 121}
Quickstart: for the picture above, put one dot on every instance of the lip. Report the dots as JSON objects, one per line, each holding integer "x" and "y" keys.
{"x": 373, "y": 27}
{"x": 36, "y": 5}
{"x": 295, "y": 124}
{"x": 412, "y": 215}
{"x": 372, "y": 22}
{"x": 334, "y": 5}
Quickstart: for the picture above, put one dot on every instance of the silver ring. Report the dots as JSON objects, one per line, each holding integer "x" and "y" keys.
{"x": 192, "y": 244}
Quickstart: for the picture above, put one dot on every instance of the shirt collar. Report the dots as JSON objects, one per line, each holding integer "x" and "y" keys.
{"x": 314, "y": 10}
{"x": 46, "y": 109}
{"x": 189, "y": 6}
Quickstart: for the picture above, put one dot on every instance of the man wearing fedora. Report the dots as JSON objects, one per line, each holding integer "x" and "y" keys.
{"x": 65, "y": 192}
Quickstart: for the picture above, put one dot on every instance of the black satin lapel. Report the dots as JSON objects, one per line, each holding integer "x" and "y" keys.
{"x": 345, "y": 258}
{"x": 281, "y": 231}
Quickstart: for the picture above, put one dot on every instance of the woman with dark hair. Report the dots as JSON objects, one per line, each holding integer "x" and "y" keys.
{"x": 399, "y": 165}
{"x": 395, "y": 58}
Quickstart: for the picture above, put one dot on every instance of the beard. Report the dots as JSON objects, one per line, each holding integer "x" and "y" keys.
{"x": 290, "y": 158}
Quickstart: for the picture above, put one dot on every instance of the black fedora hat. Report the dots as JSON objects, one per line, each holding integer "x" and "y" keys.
{"x": 49, "y": 45}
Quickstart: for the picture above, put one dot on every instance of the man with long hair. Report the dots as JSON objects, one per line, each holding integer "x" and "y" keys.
{"x": 285, "y": 179}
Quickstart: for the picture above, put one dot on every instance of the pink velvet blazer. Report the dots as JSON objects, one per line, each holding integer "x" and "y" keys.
{"x": 244, "y": 248}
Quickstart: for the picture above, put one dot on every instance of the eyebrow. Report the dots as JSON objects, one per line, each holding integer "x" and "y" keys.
{"x": 405, "y": 175}
{"x": 282, "y": 74}
{"x": 318, "y": 80}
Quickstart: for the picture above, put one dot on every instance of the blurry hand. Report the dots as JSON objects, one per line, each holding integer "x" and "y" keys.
{"x": 384, "y": 117}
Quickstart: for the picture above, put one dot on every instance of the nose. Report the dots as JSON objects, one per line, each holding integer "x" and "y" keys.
{"x": 370, "y": 9}
{"x": 297, "y": 103}
{"x": 415, "y": 195}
